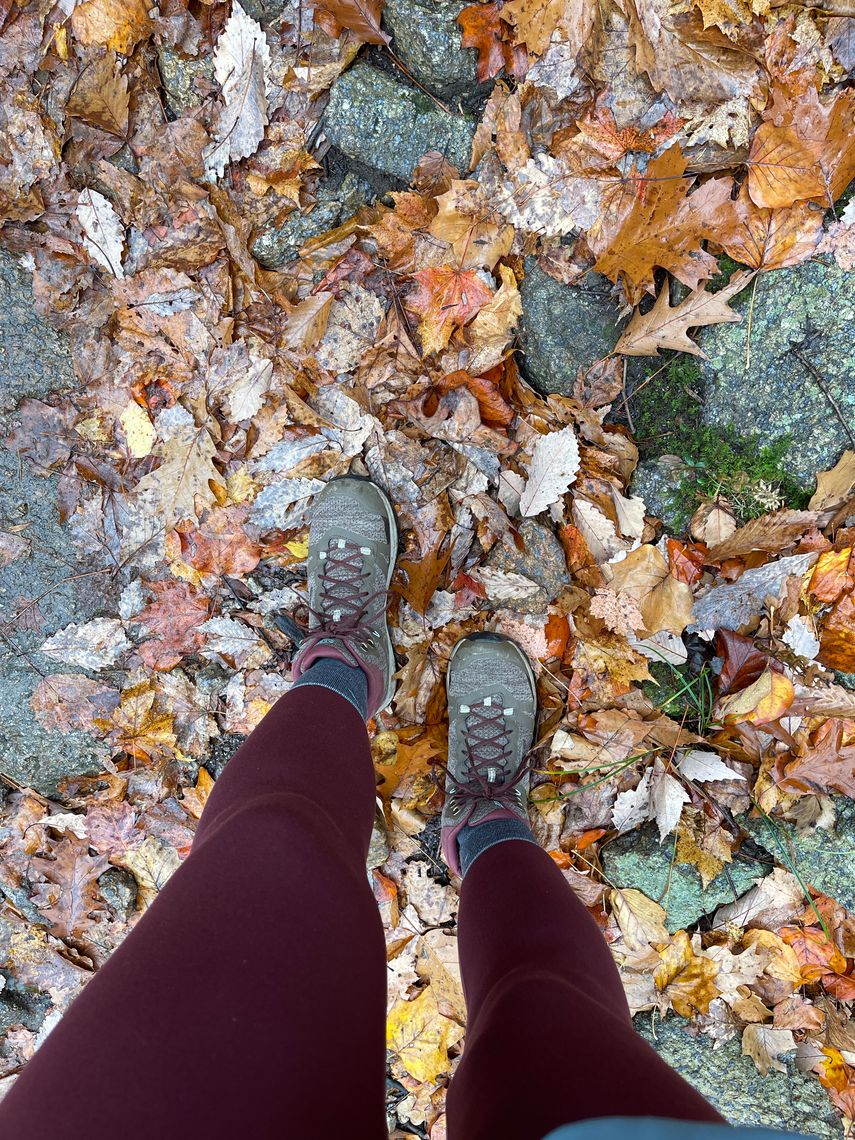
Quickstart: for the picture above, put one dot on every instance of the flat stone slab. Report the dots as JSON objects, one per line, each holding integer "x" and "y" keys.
{"x": 797, "y": 379}
{"x": 542, "y": 561}
{"x": 388, "y": 126}
{"x": 822, "y": 858}
{"x": 791, "y": 1101}
{"x": 638, "y": 860}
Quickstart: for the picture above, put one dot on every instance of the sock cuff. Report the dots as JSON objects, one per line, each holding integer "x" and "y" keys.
{"x": 348, "y": 681}
{"x": 473, "y": 841}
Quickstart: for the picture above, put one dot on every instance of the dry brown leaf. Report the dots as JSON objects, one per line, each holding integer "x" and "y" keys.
{"x": 685, "y": 979}
{"x": 765, "y": 1046}
{"x": 664, "y": 602}
{"x": 767, "y": 239}
{"x": 835, "y": 487}
{"x": 772, "y": 533}
{"x": 641, "y": 920}
{"x": 115, "y": 24}
{"x": 806, "y": 149}
{"x": 666, "y": 326}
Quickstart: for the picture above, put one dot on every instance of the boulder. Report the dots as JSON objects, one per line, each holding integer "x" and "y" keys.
{"x": 426, "y": 36}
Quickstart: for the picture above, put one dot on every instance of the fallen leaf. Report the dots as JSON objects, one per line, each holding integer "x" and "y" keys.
{"x": 419, "y": 1036}
{"x": 445, "y": 298}
{"x": 641, "y": 920}
{"x": 766, "y": 1046}
{"x": 763, "y": 701}
{"x": 484, "y": 30}
{"x": 685, "y": 979}
{"x": 666, "y": 326}
{"x": 362, "y": 17}
{"x": 554, "y": 463}
{"x": 152, "y": 864}
{"x": 115, "y": 24}
{"x": 643, "y": 575}
{"x": 71, "y": 899}
{"x": 103, "y": 232}
{"x": 837, "y": 643}
{"x": 835, "y": 487}
{"x": 772, "y": 533}
{"x": 768, "y": 239}
{"x": 242, "y": 66}
{"x": 824, "y": 762}
{"x": 95, "y": 645}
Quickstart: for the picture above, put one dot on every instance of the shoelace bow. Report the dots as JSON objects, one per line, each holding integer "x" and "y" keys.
{"x": 486, "y": 739}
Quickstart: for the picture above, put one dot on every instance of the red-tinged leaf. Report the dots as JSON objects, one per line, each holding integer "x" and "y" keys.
{"x": 742, "y": 664}
{"x": 69, "y": 897}
{"x": 589, "y": 837}
{"x": 445, "y": 298}
{"x": 173, "y": 620}
{"x": 686, "y": 560}
{"x": 484, "y": 30}
{"x": 495, "y": 411}
{"x": 557, "y": 632}
{"x": 816, "y": 954}
{"x": 840, "y": 987}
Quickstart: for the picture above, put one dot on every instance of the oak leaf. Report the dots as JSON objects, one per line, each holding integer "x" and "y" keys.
{"x": 484, "y": 30}
{"x": 445, "y": 298}
{"x": 71, "y": 899}
{"x": 666, "y": 326}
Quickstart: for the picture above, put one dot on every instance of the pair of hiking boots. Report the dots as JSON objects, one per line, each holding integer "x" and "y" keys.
{"x": 492, "y": 706}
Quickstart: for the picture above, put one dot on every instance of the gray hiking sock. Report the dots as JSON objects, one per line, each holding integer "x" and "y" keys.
{"x": 346, "y": 680}
{"x": 474, "y": 841}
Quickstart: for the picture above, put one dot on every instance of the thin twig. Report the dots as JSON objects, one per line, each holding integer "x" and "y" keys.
{"x": 823, "y": 387}
{"x": 399, "y": 64}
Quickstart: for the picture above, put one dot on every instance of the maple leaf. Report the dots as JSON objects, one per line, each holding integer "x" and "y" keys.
{"x": 554, "y": 464}
{"x": 686, "y": 979}
{"x": 465, "y": 218}
{"x": 71, "y": 900}
{"x": 362, "y": 17}
{"x": 666, "y": 326}
{"x": 767, "y": 239}
{"x": 805, "y": 149}
{"x": 241, "y": 65}
{"x": 656, "y": 222}
{"x": 173, "y": 620}
{"x": 445, "y": 298}
{"x": 484, "y": 30}
{"x": 665, "y": 603}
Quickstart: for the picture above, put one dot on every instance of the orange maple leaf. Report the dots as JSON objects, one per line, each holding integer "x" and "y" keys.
{"x": 484, "y": 30}
{"x": 445, "y": 298}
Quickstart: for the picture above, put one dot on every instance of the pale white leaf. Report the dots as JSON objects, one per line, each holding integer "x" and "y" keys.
{"x": 95, "y": 645}
{"x": 667, "y": 797}
{"x": 511, "y": 487}
{"x": 241, "y": 65}
{"x": 630, "y": 514}
{"x": 662, "y": 646}
{"x": 705, "y": 767}
{"x": 597, "y": 530}
{"x": 553, "y": 468}
{"x": 103, "y": 232}
{"x": 247, "y": 395}
{"x": 506, "y": 586}
{"x": 633, "y": 807}
{"x": 231, "y": 639}
{"x": 801, "y": 639}
{"x": 66, "y": 821}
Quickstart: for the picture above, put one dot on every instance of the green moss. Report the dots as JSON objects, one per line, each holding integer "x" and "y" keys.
{"x": 726, "y": 269}
{"x": 667, "y": 413}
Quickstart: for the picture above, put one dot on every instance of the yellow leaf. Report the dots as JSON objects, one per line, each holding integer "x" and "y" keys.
{"x": 765, "y": 700}
{"x": 420, "y": 1036}
{"x": 151, "y": 864}
{"x": 686, "y": 979}
{"x": 115, "y": 24}
{"x": 640, "y": 919}
{"x": 299, "y": 548}
{"x": 139, "y": 430}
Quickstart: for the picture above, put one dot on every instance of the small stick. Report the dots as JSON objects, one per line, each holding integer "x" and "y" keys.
{"x": 823, "y": 387}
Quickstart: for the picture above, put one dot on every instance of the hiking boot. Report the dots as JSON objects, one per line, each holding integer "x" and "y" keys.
{"x": 492, "y": 710}
{"x": 353, "y": 543}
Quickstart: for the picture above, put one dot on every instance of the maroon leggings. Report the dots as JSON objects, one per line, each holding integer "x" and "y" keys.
{"x": 250, "y": 999}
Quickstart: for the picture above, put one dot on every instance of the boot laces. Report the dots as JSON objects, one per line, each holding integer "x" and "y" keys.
{"x": 346, "y": 611}
{"x": 486, "y": 741}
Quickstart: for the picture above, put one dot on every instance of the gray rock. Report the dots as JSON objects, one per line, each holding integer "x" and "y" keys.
{"x": 542, "y": 560}
{"x": 118, "y": 888}
{"x": 791, "y": 1101}
{"x": 278, "y": 245}
{"x": 809, "y": 309}
{"x": 389, "y": 126}
{"x": 638, "y": 860}
{"x": 822, "y": 859}
{"x": 564, "y": 327}
{"x": 34, "y": 360}
{"x": 178, "y": 75}
{"x": 267, "y": 12}
{"x": 655, "y": 480}
{"x": 426, "y": 36}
